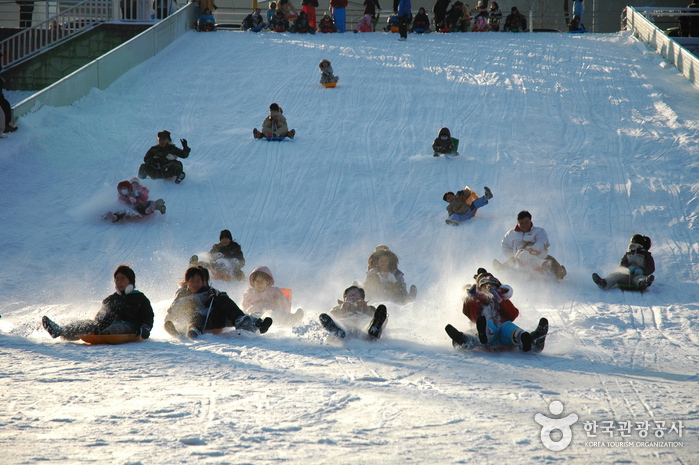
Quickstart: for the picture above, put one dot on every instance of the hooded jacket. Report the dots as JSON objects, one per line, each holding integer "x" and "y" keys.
{"x": 271, "y": 298}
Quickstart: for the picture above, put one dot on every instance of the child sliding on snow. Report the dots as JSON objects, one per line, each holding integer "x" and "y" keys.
{"x": 636, "y": 267}
{"x": 355, "y": 316}
{"x": 444, "y": 144}
{"x": 263, "y": 298}
{"x": 488, "y": 305}
{"x": 384, "y": 281}
{"x": 135, "y": 196}
{"x": 274, "y": 125}
{"x": 326, "y": 73}
{"x": 464, "y": 204}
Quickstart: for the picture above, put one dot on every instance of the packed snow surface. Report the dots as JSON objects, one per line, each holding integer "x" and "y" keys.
{"x": 594, "y": 134}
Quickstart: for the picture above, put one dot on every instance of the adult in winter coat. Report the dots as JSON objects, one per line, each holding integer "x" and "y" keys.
{"x": 5, "y": 108}
{"x": 302, "y": 25}
{"x": 355, "y": 316}
{"x": 440, "y": 13}
{"x": 339, "y": 14}
{"x": 515, "y": 21}
{"x": 421, "y": 22}
{"x": 464, "y": 204}
{"x": 161, "y": 161}
{"x": 287, "y": 7}
{"x": 494, "y": 16}
{"x": 274, "y": 125}
{"x": 458, "y": 18}
{"x": 127, "y": 311}
{"x": 225, "y": 258}
{"x": 488, "y": 305}
{"x": 327, "y": 75}
{"x": 405, "y": 16}
{"x": 384, "y": 281}
{"x": 578, "y": 8}
{"x": 309, "y": 6}
{"x": 370, "y": 7}
{"x": 199, "y": 307}
{"x": 526, "y": 247}
{"x": 635, "y": 269}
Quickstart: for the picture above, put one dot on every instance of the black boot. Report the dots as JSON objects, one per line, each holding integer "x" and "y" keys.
{"x": 459, "y": 339}
{"x": 539, "y": 335}
{"x": 327, "y": 322}
{"x": 53, "y": 329}
{"x": 526, "y": 340}
{"x": 264, "y": 324}
{"x": 481, "y": 326}
{"x": 376, "y": 327}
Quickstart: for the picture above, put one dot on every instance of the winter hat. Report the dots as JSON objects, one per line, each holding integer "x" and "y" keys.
{"x": 164, "y": 135}
{"x": 483, "y": 278}
{"x": 514, "y": 8}
{"x": 446, "y": 194}
{"x": 264, "y": 271}
{"x": 643, "y": 241}
{"x": 444, "y": 132}
{"x": 225, "y": 233}
{"x": 124, "y": 184}
{"x": 275, "y": 107}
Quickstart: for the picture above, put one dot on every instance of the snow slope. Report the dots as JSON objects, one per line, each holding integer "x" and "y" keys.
{"x": 593, "y": 134}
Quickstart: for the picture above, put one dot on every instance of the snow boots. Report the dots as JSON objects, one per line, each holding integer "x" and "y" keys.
{"x": 291, "y": 134}
{"x": 488, "y": 194}
{"x": 257, "y": 134}
{"x": 601, "y": 283}
{"x": 481, "y": 327}
{"x": 539, "y": 335}
{"x": 460, "y": 340}
{"x": 179, "y": 178}
{"x": 327, "y": 322}
{"x": 53, "y": 329}
{"x": 263, "y": 325}
{"x": 377, "y": 323}
{"x": 646, "y": 282}
{"x": 170, "y": 328}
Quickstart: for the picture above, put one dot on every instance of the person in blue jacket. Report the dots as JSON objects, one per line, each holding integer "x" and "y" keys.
{"x": 405, "y": 16}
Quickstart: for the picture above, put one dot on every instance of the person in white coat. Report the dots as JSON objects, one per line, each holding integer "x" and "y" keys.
{"x": 526, "y": 248}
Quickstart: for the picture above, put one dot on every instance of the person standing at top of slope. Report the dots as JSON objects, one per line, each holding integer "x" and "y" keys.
{"x": 127, "y": 311}
{"x": 338, "y": 11}
{"x": 274, "y": 125}
{"x": 440, "y": 14}
{"x": 636, "y": 267}
{"x": 526, "y": 247}
{"x": 464, "y": 204}
{"x": 405, "y": 16}
{"x": 161, "y": 161}
{"x": 488, "y": 305}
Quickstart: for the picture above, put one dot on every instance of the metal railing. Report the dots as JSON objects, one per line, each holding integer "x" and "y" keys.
{"x": 57, "y": 28}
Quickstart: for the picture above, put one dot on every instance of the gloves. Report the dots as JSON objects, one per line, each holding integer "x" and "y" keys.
{"x": 133, "y": 199}
{"x": 144, "y": 332}
{"x": 212, "y": 293}
{"x": 184, "y": 143}
{"x": 170, "y": 156}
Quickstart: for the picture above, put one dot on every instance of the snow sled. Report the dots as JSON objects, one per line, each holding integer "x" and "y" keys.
{"x": 276, "y": 138}
{"x": 630, "y": 287}
{"x": 455, "y": 153}
{"x": 255, "y": 29}
{"x": 122, "y": 216}
{"x": 110, "y": 339}
{"x": 581, "y": 31}
{"x": 329, "y": 84}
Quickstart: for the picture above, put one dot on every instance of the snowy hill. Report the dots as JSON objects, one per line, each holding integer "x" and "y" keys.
{"x": 593, "y": 134}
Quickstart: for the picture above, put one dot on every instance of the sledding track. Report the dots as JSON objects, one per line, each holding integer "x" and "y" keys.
{"x": 590, "y": 133}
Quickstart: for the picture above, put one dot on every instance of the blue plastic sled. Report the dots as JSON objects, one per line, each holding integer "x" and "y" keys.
{"x": 275, "y": 138}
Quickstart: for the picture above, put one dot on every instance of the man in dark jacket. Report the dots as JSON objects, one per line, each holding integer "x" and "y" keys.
{"x": 515, "y": 21}
{"x": 161, "y": 161}
{"x": 127, "y": 311}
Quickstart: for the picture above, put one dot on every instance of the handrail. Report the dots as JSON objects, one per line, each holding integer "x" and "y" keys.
{"x": 75, "y": 19}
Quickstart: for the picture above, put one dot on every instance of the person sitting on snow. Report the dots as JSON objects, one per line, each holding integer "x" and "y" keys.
{"x": 354, "y": 315}
{"x": 206, "y": 21}
{"x": 135, "y": 196}
{"x": 274, "y": 125}
{"x": 444, "y": 144}
{"x": 161, "y": 161}
{"x": 464, "y": 204}
{"x": 488, "y": 305}
{"x": 365, "y": 24}
{"x": 421, "y": 23}
{"x": 199, "y": 307}
{"x": 127, "y": 311}
{"x": 254, "y": 21}
{"x": 327, "y": 25}
{"x": 526, "y": 247}
{"x": 384, "y": 281}
{"x": 225, "y": 258}
{"x": 515, "y": 21}
{"x": 302, "y": 24}
{"x": 326, "y": 72}
{"x": 576, "y": 24}
{"x": 264, "y": 298}
{"x": 279, "y": 23}
{"x": 636, "y": 267}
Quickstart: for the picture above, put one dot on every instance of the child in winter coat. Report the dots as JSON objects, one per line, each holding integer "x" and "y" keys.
{"x": 445, "y": 144}
{"x": 365, "y": 24}
{"x": 327, "y": 25}
{"x": 161, "y": 161}
{"x": 421, "y": 23}
{"x": 636, "y": 266}
{"x": 206, "y": 21}
{"x": 353, "y": 315}
{"x": 263, "y": 298}
{"x": 198, "y": 307}
{"x": 226, "y": 258}
{"x": 494, "y": 17}
{"x": 464, "y": 204}
{"x": 279, "y": 23}
{"x": 302, "y": 25}
{"x": 488, "y": 305}
{"x": 384, "y": 281}
{"x": 135, "y": 196}
{"x": 576, "y": 25}
{"x": 480, "y": 22}
{"x": 127, "y": 311}
{"x": 254, "y": 21}
{"x": 274, "y": 125}
{"x": 326, "y": 72}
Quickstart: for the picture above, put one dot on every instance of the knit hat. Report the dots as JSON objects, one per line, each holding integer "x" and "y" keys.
{"x": 444, "y": 132}
{"x": 274, "y": 107}
{"x": 225, "y": 233}
{"x": 483, "y": 278}
{"x": 643, "y": 241}
{"x": 164, "y": 135}
{"x": 124, "y": 184}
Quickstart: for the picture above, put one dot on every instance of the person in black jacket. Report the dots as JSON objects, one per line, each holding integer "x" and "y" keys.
{"x": 198, "y": 307}
{"x": 127, "y": 311}
{"x": 225, "y": 258}
{"x": 161, "y": 161}
{"x": 636, "y": 267}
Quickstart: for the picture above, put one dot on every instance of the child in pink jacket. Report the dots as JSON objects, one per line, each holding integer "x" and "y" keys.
{"x": 263, "y": 298}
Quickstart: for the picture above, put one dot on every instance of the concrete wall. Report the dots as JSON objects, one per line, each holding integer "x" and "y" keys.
{"x": 103, "y": 71}
{"x": 673, "y": 52}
